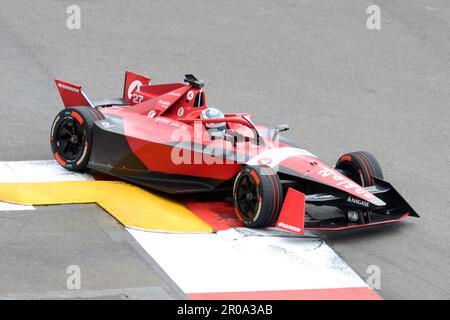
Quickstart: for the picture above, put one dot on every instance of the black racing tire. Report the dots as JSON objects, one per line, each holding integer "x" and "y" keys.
{"x": 257, "y": 196}
{"x": 71, "y": 137}
{"x": 361, "y": 167}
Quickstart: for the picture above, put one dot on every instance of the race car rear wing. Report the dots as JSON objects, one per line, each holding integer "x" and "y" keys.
{"x": 132, "y": 83}
{"x": 72, "y": 95}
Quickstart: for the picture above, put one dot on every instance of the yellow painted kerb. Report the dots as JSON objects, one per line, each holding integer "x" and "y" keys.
{"x": 130, "y": 205}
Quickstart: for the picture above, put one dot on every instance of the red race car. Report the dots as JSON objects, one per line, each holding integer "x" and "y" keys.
{"x": 163, "y": 136}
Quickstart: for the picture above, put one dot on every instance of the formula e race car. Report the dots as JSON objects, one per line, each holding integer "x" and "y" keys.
{"x": 164, "y": 137}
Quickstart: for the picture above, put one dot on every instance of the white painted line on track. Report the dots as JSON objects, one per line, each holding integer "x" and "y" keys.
{"x": 6, "y": 206}
{"x": 37, "y": 171}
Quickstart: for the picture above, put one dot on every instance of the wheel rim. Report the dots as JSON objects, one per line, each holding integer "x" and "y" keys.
{"x": 70, "y": 139}
{"x": 247, "y": 197}
{"x": 351, "y": 173}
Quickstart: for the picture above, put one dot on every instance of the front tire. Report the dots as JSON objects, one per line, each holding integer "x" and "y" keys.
{"x": 71, "y": 137}
{"x": 360, "y": 167}
{"x": 257, "y": 196}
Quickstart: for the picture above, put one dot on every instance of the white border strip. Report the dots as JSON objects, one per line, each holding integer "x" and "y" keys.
{"x": 6, "y": 206}
{"x": 231, "y": 261}
{"x": 37, "y": 171}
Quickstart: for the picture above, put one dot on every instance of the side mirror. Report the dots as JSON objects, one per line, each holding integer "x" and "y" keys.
{"x": 278, "y": 129}
{"x": 282, "y": 127}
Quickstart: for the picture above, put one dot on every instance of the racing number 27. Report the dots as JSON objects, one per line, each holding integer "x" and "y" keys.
{"x": 137, "y": 98}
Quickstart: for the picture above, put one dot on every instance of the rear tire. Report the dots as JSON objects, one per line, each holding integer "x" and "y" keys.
{"x": 71, "y": 137}
{"x": 257, "y": 196}
{"x": 360, "y": 167}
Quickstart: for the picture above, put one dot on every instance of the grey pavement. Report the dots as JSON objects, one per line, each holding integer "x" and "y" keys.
{"x": 39, "y": 249}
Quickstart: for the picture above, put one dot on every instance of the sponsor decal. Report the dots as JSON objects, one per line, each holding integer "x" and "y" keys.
{"x": 353, "y": 216}
{"x": 175, "y": 94}
{"x": 163, "y": 103}
{"x": 190, "y": 95}
{"x": 274, "y": 156}
{"x": 54, "y": 125}
{"x": 172, "y": 123}
{"x": 163, "y": 120}
{"x": 289, "y": 227}
{"x": 264, "y": 161}
{"x": 321, "y": 196}
{"x": 152, "y": 114}
{"x": 135, "y": 85}
{"x": 70, "y": 88}
{"x": 342, "y": 181}
{"x": 358, "y": 201}
{"x": 84, "y": 153}
{"x": 107, "y": 125}
{"x": 180, "y": 112}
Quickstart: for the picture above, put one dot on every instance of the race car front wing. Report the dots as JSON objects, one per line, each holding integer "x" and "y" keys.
{"x": 294, "y": 218}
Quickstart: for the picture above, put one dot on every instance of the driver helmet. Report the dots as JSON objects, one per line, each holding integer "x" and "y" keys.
{"x": 216, "y": 128}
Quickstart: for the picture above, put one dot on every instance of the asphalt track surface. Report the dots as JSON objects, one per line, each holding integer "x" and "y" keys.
{"x": 37, "y": 248}
{"x": 312, "y": 64}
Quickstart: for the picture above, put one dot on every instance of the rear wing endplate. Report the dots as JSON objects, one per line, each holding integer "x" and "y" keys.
{"x": 72, "y": 95}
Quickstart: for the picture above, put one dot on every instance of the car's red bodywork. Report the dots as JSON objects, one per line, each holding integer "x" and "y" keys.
{"x": 154, "y": 137}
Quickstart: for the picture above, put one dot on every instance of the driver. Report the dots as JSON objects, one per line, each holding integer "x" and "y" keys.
{"x": 216, "y": 129}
